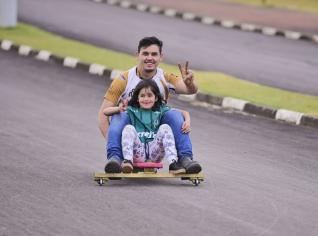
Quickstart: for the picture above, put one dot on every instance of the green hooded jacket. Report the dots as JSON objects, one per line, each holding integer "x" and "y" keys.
{"x": 146, "y": 121}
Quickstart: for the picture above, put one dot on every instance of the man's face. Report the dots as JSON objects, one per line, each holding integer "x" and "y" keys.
{"x": 149, "y": 58}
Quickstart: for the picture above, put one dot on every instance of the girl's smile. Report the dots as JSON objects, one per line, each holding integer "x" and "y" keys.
{"x": 146, "y": 98}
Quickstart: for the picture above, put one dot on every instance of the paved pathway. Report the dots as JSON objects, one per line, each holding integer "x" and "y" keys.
{"x": 260, "y": 175}
{"x": 278, "y": 18}
{"x": 272, "y": 61}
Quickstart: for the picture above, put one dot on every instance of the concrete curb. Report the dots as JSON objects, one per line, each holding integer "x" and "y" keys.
{"x": 293, "y": 117}
{"x": 188, "y": 16}
{"x": 224, "y": 102}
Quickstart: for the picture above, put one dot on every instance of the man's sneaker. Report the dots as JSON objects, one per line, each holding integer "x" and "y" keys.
{"x": 113, "y": 166}
{"x": 127, "y": 166}
{"x": 176, "y": 168}
{"x": 191, "y": 167}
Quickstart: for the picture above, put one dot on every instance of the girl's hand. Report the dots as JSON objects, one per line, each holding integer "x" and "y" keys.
{"x": 186, "y": 127}
{"x": 123, "y": 106}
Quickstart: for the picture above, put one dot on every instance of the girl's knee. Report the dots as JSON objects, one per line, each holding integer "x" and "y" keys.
{"x": 165, "y": 129}
{"x": 129, "y": 129}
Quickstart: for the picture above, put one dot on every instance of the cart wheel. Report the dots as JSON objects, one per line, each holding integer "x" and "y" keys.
{"x": 101, "y": 182}
{"x": 196, "y": 182}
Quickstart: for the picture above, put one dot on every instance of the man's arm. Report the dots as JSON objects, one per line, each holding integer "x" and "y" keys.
{"x": 109, "y": 111}
{"x": 102, "y": 118}
{"x": 111, "y": 97}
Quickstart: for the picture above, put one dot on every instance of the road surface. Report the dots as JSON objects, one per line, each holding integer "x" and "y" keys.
{"x": 260, "y": 175}
{"x": 272, "y": 61}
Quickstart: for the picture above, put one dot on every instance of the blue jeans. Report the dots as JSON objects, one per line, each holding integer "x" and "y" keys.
{"x": 116, "y": 126}
{"x": 173, "y": 118}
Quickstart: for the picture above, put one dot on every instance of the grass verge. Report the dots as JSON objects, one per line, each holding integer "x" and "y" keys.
{"x": 209, "y": 82}
{"x": 300, "y": 5}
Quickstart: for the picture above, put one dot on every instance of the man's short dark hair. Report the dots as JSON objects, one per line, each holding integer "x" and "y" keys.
{"x": 147, "y": 41}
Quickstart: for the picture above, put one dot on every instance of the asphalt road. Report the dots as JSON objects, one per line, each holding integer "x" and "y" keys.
{"x": 273, "y": 61}
{"x": 260, "y": 175}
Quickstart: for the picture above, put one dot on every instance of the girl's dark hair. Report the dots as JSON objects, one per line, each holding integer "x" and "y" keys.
{"x": 147, "y": 41}
{"x": 147, "y": 83}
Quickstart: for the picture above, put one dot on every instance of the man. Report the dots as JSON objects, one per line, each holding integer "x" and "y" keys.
{"x": 149, "y": 55}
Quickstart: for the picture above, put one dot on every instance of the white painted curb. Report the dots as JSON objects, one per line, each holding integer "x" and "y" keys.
{"x": 233, "y": 103}
{"x": 227, "y": 24}
{"x": 155, "y": 9}
{"x": 315, "y": 38}
{"x": 24, "y": 50}
{"x": 292, "y": 35}
{"x": 269, "y": 31}
{"x": 125, "y": 4}
{"x": 188, "y": 16}
{"x": 6, "y": 45}
{"x": 187, "y": 98}
{"x": 96, "y": 69}
{"x": 248, "y": 27}
{"x": 141, "y": 7}
{"x": 70, "y": 62}
{"x": 226, "y": 102}
{"x": 112, "y": 2}
{"x": 289, "y": 116}
{"x": 170, "y": 12}
{"x": 208, "y": 20}
{"x": 43, "y": 55}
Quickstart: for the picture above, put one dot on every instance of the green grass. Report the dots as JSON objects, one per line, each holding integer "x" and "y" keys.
{"x": 223, "y": 85}
{"x": 209, "y": 82}
{"x": 299, "y": 5}
{"x": 39, "y": 39}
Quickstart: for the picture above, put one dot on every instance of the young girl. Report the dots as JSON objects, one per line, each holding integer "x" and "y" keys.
{"x": 145, "y": 139}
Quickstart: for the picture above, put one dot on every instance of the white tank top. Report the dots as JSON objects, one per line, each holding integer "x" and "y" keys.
{"x": 133, "y": 80}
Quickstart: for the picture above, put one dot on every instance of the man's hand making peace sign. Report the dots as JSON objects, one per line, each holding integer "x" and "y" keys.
{"x": 188, "y": 78}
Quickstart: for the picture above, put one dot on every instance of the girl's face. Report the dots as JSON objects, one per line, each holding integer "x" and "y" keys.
{"x": 146, "y": 98}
